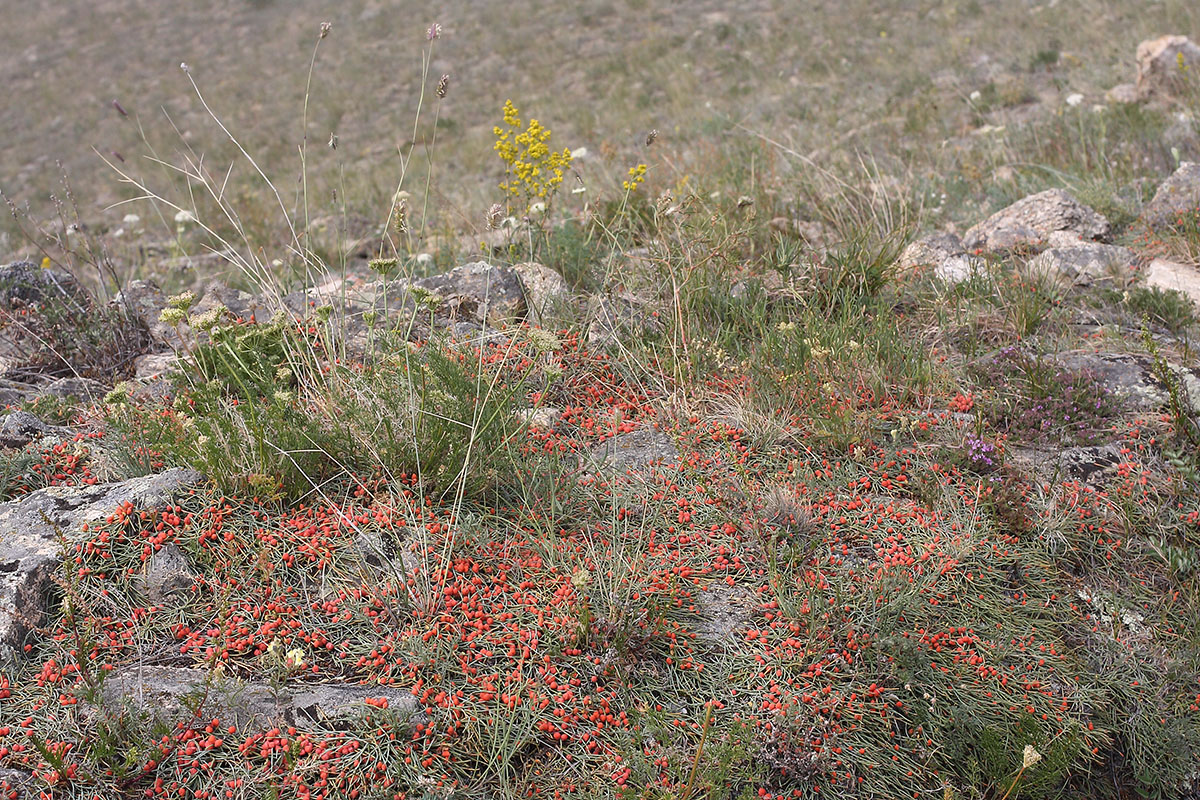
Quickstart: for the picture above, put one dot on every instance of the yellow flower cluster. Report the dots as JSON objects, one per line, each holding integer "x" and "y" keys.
{"x": 637, "y": 175}
{"x": 531, "y": 167}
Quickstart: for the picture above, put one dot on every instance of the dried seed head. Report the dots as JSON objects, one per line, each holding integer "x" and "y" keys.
{"x": 664, "y": 201}
{"x": 435, "y": 30}
{"x": 401, "y": 201}
{"x": 781, "y": 509}
{"x": 332, "y": 141}
{"x": 442, "y": 85}
{"x": 651, "y": 137}
{"x": 1030, "y": 757}
{"x": 325, "y": 28}
{"x": 494, "y": 215}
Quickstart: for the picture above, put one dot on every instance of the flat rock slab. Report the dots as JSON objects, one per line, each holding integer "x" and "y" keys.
{"x": 173, "y": 694}
{"x": 1165, "y": 274}
{"x": 635, "y": 450}
{"x": 30, "y": 547}
{"x": 1131, "y": 380}
{"x": 725, "y": 613}
{"x": 1091, "y": 464}
{"x": 1030, "y": 221}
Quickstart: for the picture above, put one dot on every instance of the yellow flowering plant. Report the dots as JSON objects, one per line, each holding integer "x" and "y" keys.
{"x": 531, "y": 168}
{"x": 637, "y": 176}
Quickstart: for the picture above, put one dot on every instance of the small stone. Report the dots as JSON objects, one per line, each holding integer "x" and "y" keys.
{"x": 545, "y": 417}
{"x": 80, "y": 389}
{"x": 152, "y": 366}
{"x": 817, "y": 235}
{"x": 241, "y": 305}
{"x": 168, "y": 574}
{"x": 957, "y": 269}
{"x": 930, "y": 250}
{"x": 614, "y": 316}
{"x": 725, "y": 611}
{"x": 944, "y": 252}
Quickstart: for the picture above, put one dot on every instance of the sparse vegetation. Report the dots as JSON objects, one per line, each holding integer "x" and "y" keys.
{"x": 726, "y": 496}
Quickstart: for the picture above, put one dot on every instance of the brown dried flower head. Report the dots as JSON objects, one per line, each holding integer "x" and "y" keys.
{"x": 494, "y": 215}
{"x": 442, "y": 85}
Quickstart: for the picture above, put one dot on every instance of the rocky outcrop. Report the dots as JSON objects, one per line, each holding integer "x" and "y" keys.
{"x": 1084, "y": 264}
{"x": 1177, "y": 196}
{"x": 1131, "y": 379}
{"x": 32, "y": 532}
{"x": 943, "y": 252}
{"x": 1030, "y": 221}
{"x": 19, "y": 428}
{"x": 478, "y": 292}
{"x": 1165, "y": 65}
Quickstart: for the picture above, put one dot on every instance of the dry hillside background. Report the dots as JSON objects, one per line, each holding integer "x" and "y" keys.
{"x": 832, "y": 80}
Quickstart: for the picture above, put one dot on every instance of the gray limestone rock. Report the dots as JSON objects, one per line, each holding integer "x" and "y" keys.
{"x": 1030, "y": 221}
{"x": 32, "y": 529}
